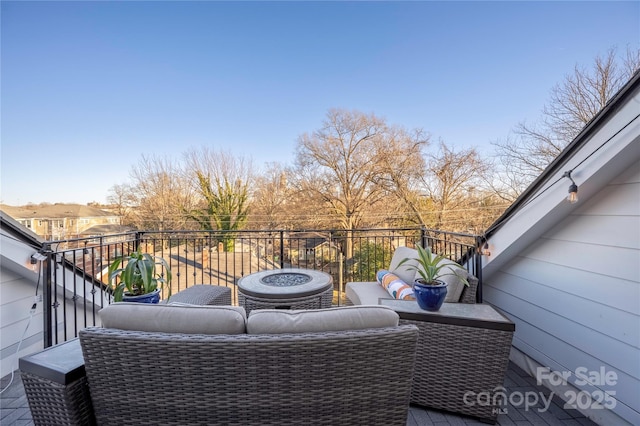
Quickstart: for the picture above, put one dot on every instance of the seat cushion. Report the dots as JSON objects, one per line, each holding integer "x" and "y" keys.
{"x": 365, "y": 293}
{"x": 175, "y": 318}
{"x": 279, "y": 321}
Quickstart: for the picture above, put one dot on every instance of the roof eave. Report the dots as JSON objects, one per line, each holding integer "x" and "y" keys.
{"x": 610, "y": 109}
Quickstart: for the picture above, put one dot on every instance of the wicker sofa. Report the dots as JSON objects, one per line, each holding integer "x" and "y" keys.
{"x": 334, "y": 366}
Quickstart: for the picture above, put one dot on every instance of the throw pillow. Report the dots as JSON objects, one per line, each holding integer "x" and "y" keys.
{"x": 395, "y": 286}
{"x": 279, "y": 321}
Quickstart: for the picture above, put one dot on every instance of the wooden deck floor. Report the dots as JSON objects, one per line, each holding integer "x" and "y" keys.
{"x": 14, "y": 408}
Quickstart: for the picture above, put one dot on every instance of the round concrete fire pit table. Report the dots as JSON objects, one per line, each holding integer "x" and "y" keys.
{"x": 290, "y": 288}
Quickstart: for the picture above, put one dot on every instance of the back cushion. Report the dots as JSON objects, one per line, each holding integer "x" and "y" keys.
{"x": 405, "y": 274}
{"x": 277, "y": 321}
{"x": 188, "y": 319}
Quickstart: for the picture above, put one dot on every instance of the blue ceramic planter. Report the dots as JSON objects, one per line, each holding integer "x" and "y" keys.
{"x": 430, "y": 297}
{"x": 153, "y": 297}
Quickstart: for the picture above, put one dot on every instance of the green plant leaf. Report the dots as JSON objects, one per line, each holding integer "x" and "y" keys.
{"x": 430, "y": 265}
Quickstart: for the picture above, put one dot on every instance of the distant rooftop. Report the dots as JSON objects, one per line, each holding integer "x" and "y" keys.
{"x": 52, "y": 211}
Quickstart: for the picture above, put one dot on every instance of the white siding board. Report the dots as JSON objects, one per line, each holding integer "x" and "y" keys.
{"x": 612, "y": 322}
{"x": 631, "y": 175}
{"x": 16, "y": 298}
{"x": 615, "y": 262}
{"x": 8, "y": 289}
{"x": 7, "y": 276}
{"x": 620, "y": 231}
{"x": 614, "y": 200}
{"x": 18, "y": 311}
{"x": 558, "y": 329}
{"x": 12, "y": 334}
{"x": 626, "y": 387}
{"x": 624, "y": 295}
{"x": 9, "y": 362}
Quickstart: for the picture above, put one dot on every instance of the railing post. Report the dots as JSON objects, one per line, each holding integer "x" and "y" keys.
{"x": 47, "y": 326}
{"x": 340, "y": 277}
{"x": 423, "y": 237}
{"x": 136, "y": 244}
{"x": 281, "y": 249}
{"x": 478, "y": 266}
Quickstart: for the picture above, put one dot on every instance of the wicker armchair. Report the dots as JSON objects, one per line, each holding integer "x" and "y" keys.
{"x": 346, "y": 377}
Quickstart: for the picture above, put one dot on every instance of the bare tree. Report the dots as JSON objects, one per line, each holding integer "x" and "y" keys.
{"x": 270, "y": 200}
{"x": 343, "y": 168}
{"x": 404, "y": 173}
{"x": 160, "y": 193}
{"x": 572, "y": 104}
{"x": 450, "y": 185}
{"x": 222, "y": 182}
{"x": 121, "y": 197}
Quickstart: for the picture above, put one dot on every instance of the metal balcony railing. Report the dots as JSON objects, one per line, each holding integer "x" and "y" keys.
{"x": 74, "y": 273}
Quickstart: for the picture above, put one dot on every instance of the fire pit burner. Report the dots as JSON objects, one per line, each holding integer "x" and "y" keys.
{"x": 286, "y": 279}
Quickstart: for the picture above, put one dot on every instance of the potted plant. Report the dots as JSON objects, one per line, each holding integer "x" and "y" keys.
{"x": 138, "y": 280}
{"x": 430, "y": 291}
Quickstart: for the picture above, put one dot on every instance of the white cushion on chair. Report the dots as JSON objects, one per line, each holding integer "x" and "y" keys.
{"x": 403, "y": 272}
{"x": 365, "y": 293}
{"x": 188, "y": 319}
{"x": 279, "y": 321}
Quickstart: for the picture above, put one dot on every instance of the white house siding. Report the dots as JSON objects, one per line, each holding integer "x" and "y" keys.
{"x": 574, "y": 293}
{"x": 23, "y": 330}
{"x": 16, "y": 298}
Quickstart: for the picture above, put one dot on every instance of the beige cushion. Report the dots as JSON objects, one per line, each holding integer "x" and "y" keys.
{"x": 188, "y": 319}
{"x": 365, "y": 293}
{"x": 278, "y": 321}
{"x": 405, "y": 274}
{"x": 455, "y": 286}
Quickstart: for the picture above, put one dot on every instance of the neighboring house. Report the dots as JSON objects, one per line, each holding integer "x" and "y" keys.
{"x": 312, "y": 247}
{"x": 568, "y": 275}
{"x": 64, "y": 221}
{"x": 21, "y": 286}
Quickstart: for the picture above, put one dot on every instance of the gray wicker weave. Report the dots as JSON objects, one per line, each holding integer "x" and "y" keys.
{"x": 360, "y": 377}
{"x": 56, "y": 385}
{"x": 469, "y": 292}
{"x": 463, "y": 351}
{"x": 316, "y": 301}
{"x": 453, "y": 360}
{"x": 203, "y": 294}
{"x": 53, "y": 403}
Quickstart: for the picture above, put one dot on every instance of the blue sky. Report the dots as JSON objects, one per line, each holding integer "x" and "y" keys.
{"x": 89, "y": 87}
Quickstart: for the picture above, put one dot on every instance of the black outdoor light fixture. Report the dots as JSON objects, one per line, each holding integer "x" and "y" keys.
{"x": 573, "y": 188}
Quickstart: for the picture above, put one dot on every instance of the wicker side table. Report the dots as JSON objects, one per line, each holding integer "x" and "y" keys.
{"x": 203, "y": 294}
{"x": 463, "y": 352}
{"x": 56, "y": 386}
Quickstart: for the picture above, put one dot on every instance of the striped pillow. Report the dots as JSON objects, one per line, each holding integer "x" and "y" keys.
{"x": 395, "y": 286}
